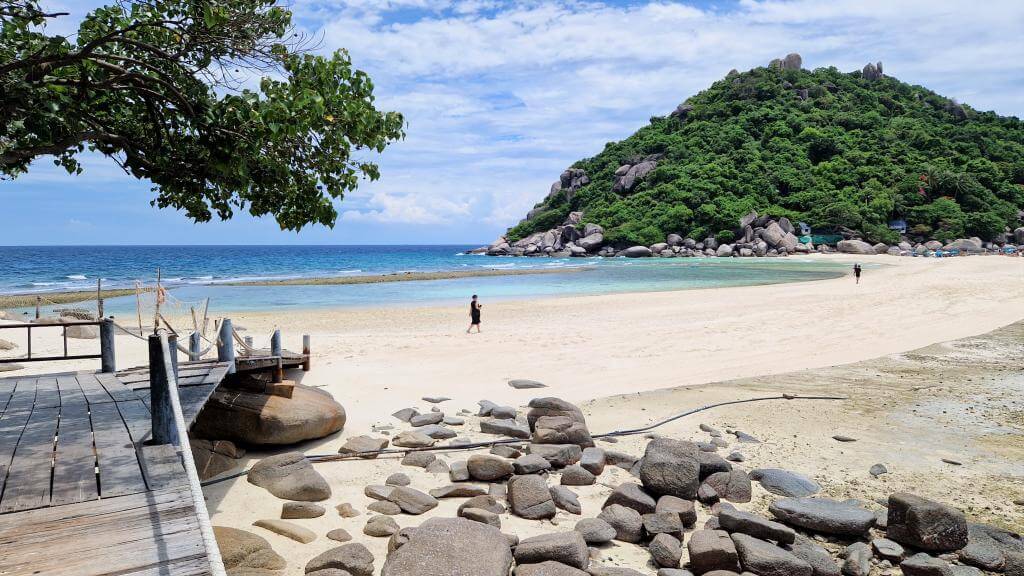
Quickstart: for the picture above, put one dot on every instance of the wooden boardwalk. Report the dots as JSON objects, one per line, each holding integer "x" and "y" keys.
{"x": 80, "y": 491}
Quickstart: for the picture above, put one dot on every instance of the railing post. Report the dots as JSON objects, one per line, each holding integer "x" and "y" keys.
{"x": 108, "y": 362}
{"x": 276, "y": 350}
{"x": 172, "y": 348}
{"x": 248, "y": 341}
{"x": 194, "y": 346}
{"x": 305, "y": 352}
{"x": 164, "y": 430}
{"x": 226, "y": 345}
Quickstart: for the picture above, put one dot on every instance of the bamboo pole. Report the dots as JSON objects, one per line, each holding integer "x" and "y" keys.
{"x": 138, "y": 303}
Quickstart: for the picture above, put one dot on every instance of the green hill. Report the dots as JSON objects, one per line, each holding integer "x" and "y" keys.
{"x": 832, "y": 149}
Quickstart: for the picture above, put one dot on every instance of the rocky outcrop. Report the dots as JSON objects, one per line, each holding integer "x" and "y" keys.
{"x": 629, "y": 175}
{"x": 872, "y": 71}
{"x": 255, "y": 418}
{"x": 792, "y": 61}
{"x": 855, "y": 247}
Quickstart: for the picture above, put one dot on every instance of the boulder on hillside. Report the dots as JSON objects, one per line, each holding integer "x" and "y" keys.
{"x": 591, "y": 242}
{"x": 626, "y": 181}
{"x": 290, "y": 476}
{"x": 855, "y": 247}
{"x": 439, "y": 545}
{"x": 256, "y": 418}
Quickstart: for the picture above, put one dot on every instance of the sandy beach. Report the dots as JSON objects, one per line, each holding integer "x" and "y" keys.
{"x": 632, "y": 359}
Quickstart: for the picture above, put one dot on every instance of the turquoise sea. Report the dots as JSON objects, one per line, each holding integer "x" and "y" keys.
{"x": 194, "y": 273}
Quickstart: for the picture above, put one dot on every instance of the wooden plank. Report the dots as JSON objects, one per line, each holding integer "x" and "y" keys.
{"x": 70, "y": 391}
{"x": 148, "y": 533}
{"x": 162, "y": 467}
{"x": 28, "y": 479}
{"x": 74, "y": 462}
{"x": 92, "y": 389}
{"x": 47, "y": 393}
{"x": 114, "y": 387}
{"x": 24, "y": 396}
{"x": 116, "y": 458}
{"x": 12, "y": 424}
{"x": 136, "y": 419}
{"x": 7, "y": 386}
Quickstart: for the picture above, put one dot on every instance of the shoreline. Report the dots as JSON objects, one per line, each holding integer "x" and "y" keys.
{"x": 28, "y": 299}
{"x": 399, "y": 277}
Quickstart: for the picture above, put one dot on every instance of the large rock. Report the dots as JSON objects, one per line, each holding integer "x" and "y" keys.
{"x": 671, "y": 467}
{"x": 1018, "y": 235}
{"x": 505, "y": 427}
{"x": 211, "y": 459}
{"x": 559, "y": 455}
{"x": 412, "y": 501}
{"x": 364, "y": 446}
{"x": 824, "y": 515}
{"x": 712, "y": 550}
{"x": 627, "y": 522}
{"x": 529, "y": 497}
{"x": 965, "y": 245}
{"x": 568, "y": 548}
{"x": 561, "y": 430}
{"x": 733, "y": 486}
{"x": 352, "y": 558}
{"x": 855, "y": 247}
{"x": 291, "y": 477}
{"x": 255, "y": 418}
{"x": 925, "y": 524}
{"x": 734, "y": 520}
{"x": 636, "y": 252}
{"x": 591, "y": 242}
{"x": 626, "y": 181}
{"x": 765, "y": 559}
{"x": 632, "y": 496}
{"x": 240, "y": 549}
{"x": 785, "y": 483}
{"x": 489, "y": 468}
{"x": 450, "y": 546}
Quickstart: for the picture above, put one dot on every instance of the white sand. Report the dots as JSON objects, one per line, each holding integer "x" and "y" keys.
{"x": 377, "y": 361}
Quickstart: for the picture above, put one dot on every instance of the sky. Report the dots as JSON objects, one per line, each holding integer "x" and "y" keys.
{"x": 500, "y": 97}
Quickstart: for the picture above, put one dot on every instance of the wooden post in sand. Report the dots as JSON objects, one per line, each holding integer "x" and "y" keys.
{"x": 172, "y": 348}
{"x": 226, "y": 345}
{"x": 39, "y": 299}
{"x": 99, "y": 298}
{"x": 275, "y": 350}
{"x": 108, "y": 363}
{"x": 160, "y": 371}
{"x": 305, "y": 352}
{"x": 194, "y": 347}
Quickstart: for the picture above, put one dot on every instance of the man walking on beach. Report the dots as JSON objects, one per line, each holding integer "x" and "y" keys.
{"x": 474, "y": 314}
{"x": 856, "y": 272}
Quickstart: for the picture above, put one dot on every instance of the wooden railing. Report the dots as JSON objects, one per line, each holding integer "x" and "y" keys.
{"x": 106, "y": 353}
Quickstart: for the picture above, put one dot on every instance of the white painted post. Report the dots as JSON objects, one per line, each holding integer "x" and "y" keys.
{"x": 226, "y": 345}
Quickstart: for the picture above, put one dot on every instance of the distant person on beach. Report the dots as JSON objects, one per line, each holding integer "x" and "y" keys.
{"x": 856, "y": 272}
{"x": 474, "y": 314}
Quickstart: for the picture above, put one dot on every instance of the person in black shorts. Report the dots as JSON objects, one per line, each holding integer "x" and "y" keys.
{"x": 474, "y": 314}
{"x": 856, "y": 272}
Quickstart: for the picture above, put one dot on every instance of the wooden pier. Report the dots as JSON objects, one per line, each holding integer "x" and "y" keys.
{"x": 81, "y": 491}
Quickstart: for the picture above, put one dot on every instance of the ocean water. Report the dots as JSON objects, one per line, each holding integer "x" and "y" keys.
{"x": 194, "y": 273}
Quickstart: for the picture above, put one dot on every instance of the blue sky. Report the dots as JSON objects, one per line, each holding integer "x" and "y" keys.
{"x": 501, "y": 96}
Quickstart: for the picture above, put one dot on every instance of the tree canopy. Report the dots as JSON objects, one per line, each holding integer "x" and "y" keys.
{"x": 167, "y": 89}
{"x": 828, "y": 148}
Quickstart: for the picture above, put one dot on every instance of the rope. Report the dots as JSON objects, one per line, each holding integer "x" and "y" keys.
{"x": 185, "y": 452}
{"x": 319, "y": 458}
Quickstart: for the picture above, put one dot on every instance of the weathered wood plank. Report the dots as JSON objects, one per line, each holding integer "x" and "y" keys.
{"x": 24, "y": 396}
{"x": 162, "y": 467}
{"x": 70, "y": 391}
{"x": 28, "y": 479}
{"x": 7, "y": 386}
{"x": 47, "y": 394}
{"x": 148, "y": 533}
{"x": 116, "y": 458}
{"x": 92, "y": 389}
{"x": 74, "y": 460}
{"x": 114, "y": 387}
{"x": 12, "y": 424}
{"x": 136, "y": 418}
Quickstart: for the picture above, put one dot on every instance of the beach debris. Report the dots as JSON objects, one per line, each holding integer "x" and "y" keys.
{"x": 290, "y": 476}
{"x": 255, "y": 418}
{"x": 528, "y": 497}
{"x": 505, "y": 427}
{"x": 567, "y": 548}
{"x": 523, "y": 384}
{"x": 413, "y": 439}
{"x": 380, "y": 526}
{"x": 425, "y": 419}
{"x": 436, "y": 399}
{"x": 952, "y": 462}
{"x": 293, "y": 510}
{"x": 745, "y": 438}
{"x": 877, "y": 470}
{"x": 925, "y": 524}
{"x": 627, "y": 522}
{"x": 339, "y": 535}
{"x": 785, "y": 483}
{"x": 364, "y": 446}
{"x": 287, "y": 529}
{"x": 345, "y": 510}
{"x": 565, "y": 499}
{"x": 841, "y": 438}
{"x": 244, "y": 550}
{"x": 439, "y": 544}
{"x": 384, "y": 507}
{"x": 353, "y": 558}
